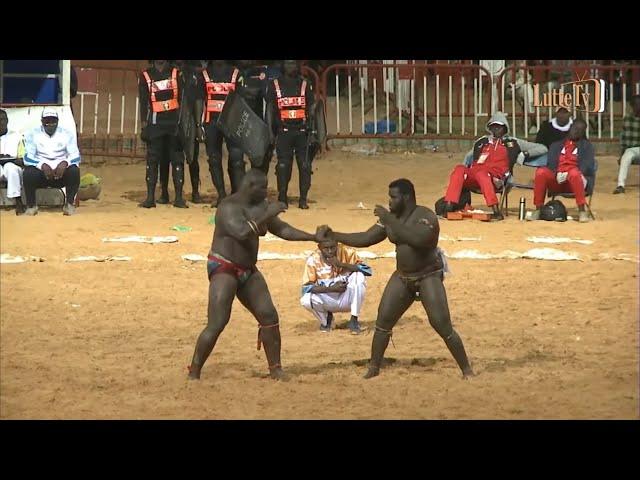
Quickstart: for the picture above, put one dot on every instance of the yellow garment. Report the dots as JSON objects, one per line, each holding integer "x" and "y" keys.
{"x": 21, "y": 148}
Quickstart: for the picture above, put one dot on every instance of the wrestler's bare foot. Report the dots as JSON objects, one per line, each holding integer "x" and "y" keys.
{"x": 194, "y": 373}
{"x": 372, "y": 372}
{"x": 467, "y": 374}
{"x": 278, "y": 374}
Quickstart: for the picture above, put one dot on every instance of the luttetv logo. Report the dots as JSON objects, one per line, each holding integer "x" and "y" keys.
{"x": 585, "y": 94}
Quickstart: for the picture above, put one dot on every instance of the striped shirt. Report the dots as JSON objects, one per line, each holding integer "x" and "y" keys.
{"x": 318, "y": 272}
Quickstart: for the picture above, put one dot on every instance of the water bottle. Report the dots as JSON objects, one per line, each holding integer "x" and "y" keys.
{"x": 522, "y": 211}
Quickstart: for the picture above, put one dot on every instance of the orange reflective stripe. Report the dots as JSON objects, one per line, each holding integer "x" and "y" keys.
{"x": 292, "y": 114}
{"x": 164, "y": 105}
{"x": 303, "y": 88}
{"x": 174, "y": 79}
{"x": 277, "y": 85}
{"x": 235, "y": 75}
{"x": 215, "y": 105}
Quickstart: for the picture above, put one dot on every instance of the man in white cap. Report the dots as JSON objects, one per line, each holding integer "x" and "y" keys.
{"x": 11, "y": 154}
{"x": 52, "y": 159}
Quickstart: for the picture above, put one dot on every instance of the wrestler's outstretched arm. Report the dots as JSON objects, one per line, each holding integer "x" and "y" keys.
{"x": 285, "y": 231}
{"x": 236, "y": 223}
{"x": 375, "y": 234}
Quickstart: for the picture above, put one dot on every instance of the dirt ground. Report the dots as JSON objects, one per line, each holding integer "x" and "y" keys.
{"x": 112, "y": 340}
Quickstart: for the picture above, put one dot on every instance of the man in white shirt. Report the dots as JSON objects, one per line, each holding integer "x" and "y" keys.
{"x": 11, "y": 154}
{"x": 52, "y": 159}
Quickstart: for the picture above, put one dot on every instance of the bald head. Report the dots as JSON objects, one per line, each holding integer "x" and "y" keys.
{"x": 578, "y": 130}
{"x": 254, "y": 185}
{"x": 253, "y": 177}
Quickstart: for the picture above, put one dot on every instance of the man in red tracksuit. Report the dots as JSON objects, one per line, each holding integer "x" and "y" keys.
{"x": 493, "y": 158}
{"x": 569, "y": 162}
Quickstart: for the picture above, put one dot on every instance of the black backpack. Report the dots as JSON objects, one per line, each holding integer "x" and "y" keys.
{"x": 465, "y": 199}
{"x": 554, "y": 211}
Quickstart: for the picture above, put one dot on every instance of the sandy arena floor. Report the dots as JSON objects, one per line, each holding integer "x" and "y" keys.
{"x": 112, "y": 340}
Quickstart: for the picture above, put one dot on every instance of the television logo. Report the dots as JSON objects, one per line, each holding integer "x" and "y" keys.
{"x": 586, "y": 95}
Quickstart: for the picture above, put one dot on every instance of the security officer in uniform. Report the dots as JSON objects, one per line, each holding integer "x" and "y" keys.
{"x": 253, "y": 88}
{"x": 191, "y": 69}
{"x": 216, "y": 82}
{"x": 289, "y": 109}
{"x": 160, "y": 88}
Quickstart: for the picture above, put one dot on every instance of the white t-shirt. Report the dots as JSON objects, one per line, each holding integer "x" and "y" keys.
{"x": 42, "y": 148}
{"x": 9, "y": 144}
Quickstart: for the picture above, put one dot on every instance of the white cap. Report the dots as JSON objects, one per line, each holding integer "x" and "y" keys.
{"x": 49, "y": 113}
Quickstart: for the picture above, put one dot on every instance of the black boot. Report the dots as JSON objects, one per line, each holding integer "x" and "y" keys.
{"x": 178, "y": 183}
{"x": 304, "y": 185}
{"x": 217, "y": 176}
{"x": 152, "y": 179}
{"x": 194, "y": 174}
{"x": 283, "y": 183}
{"x": 164, "y": 183}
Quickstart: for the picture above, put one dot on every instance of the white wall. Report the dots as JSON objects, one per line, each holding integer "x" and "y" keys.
{"x": 22, "y": 119}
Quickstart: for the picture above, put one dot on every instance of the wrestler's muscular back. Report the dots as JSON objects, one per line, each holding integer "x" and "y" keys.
{"x": 239, "y": 251}
{"x": 411, "y": 259}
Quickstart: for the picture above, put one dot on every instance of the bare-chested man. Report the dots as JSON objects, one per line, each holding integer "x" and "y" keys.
{"x": 419, "y": 275}
{"x": 240, "y": 220}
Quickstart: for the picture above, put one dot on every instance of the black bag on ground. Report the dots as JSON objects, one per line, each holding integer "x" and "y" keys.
{"x": 465, "y": 199}
{"x": 554, "y": 211}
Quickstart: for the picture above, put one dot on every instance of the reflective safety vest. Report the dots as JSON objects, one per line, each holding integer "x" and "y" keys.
{"x": 217, "y": 93}
{"x": 292, "y": 108}
{"x": 169, "y": 84}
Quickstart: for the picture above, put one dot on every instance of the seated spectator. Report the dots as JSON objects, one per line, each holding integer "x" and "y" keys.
{"x": 555, "y": 129}
{"x": 569, "y": 161}
{"x": 52, "y": 159}
{"x": 493, "y": 158}
{"x": 531, "y": 154}
{"x": 11, "y": 155}
{"x": 630, "y": 143}
{"x": 334, "y": 281}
